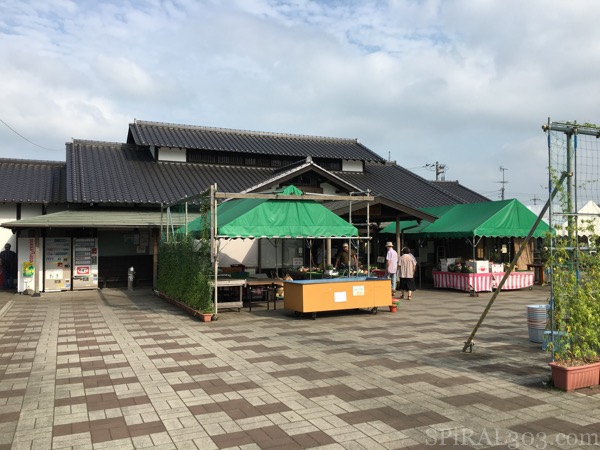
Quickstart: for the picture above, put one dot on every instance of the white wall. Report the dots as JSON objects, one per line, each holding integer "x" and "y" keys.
{"x": 7, "y": 214}
{"x": 238, "y": 251}
{"x": 171, "y": 154}
{"x": 352, "y": 166}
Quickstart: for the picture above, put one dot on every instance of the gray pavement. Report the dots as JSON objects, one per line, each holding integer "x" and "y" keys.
{"x": 119, "y": 369}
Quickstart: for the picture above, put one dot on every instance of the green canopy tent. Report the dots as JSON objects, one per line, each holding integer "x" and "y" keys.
{"x": 273, "y": 218}
{"x": 256, "y": 218}
{"x": 473, "y": 221}
{"x": 503, "y": 218}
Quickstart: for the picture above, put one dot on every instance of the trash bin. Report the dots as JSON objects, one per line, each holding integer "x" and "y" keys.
{"x": 130, "y": 278}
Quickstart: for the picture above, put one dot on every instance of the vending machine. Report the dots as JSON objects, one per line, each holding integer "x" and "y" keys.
{"x": 85, "y": 263}
{"x": 57, "y": 267}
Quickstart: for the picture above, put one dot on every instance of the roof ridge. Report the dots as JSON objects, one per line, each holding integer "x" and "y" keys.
{"x": 95, "y": 142}
{"x": 31, "y": 161}
{"x": 245, "y": 132}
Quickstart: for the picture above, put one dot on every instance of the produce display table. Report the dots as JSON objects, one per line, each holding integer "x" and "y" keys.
{"x": 229, "y": 283}
{"x": 267, "y": 284}
{"x": 312, "y": 296}
{"x": 481, "y": 282}
{"x": 300, "y": 275}
{"x": 516, "y": 280}
{"x": 379, "y": 273}
{"x": 475, "y": 282}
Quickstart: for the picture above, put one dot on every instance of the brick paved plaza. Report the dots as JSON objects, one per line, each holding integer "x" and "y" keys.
{"x": 119, "y": 369}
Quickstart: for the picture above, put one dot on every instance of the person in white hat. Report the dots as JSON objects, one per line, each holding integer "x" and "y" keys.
{"x": 391, "y": 260}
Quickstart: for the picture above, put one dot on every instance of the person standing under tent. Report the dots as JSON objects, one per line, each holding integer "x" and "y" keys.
{"x": 343, "y": 258}
{"x": 391, "y": 260}
{"x": 407, "y": 264}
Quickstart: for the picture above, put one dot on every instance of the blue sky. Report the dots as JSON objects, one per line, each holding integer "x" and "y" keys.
{"x": 464, "y": 83}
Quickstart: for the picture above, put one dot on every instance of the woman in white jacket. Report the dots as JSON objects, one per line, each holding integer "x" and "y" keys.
{"x": 406, "y": 269}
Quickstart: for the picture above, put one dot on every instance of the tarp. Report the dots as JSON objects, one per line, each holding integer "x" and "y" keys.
{"x": 588, "y": 221}
{"x": 275, "y": 218}
{"x": 503, "y": 218}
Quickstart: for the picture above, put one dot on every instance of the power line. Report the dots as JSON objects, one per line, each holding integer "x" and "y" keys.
{"x": 23, "y": 137}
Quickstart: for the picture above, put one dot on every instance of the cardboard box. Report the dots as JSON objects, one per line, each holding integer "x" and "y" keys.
{"x": 445, "y": 262}
{"x": 497, "y": 268}
{"x": 479, "y": 266}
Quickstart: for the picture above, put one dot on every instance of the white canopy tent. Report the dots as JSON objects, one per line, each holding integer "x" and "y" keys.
{"x": 588, "y": 221}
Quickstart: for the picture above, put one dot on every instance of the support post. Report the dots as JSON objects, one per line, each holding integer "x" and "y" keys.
{"x": 469, "y": 342}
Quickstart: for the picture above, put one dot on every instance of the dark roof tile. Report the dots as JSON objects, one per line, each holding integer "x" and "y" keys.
{"x": 31, "y": 181}
{"x": 396, "y": 183}
{"x": 457, "y": 189}
{"x": 105, "y": 172}
{"x": 159, "y": 134}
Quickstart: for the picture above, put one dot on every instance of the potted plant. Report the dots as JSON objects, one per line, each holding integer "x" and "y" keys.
{"x": 575, "y": 308}
{"x": 394, "y": 306}
{"x": 206, "y": 315}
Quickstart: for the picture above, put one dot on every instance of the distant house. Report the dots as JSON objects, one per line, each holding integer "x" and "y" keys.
{"x": 104, "y": 202}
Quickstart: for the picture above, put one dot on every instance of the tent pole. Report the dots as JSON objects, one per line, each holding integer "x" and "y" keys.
{"x": 469, "y": 342}
{"x": 215, "y": 244}
{"x": 350, "y": 238}
{"x": 368, "y": 236}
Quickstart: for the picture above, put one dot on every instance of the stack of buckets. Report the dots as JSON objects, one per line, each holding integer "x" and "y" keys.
{"x": 537, "y": 316}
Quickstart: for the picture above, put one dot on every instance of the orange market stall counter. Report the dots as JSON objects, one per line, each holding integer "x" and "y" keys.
{"x": 469, "y": 282}
{"x": 312, "y": 296}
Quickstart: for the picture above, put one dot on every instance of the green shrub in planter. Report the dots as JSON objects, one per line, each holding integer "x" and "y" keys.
{"x": 575, "y": 268}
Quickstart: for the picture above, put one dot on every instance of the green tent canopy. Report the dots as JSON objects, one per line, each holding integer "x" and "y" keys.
{"x": 504, "y": 218}
{"x": 274, "y": 218}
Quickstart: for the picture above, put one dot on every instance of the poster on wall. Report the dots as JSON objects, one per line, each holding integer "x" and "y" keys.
{"x": 57, "y": 264}
{"x": 85, "y": 263}
{"x": 27, "y": 265}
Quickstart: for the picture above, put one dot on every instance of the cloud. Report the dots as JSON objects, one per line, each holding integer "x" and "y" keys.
{"x": 464, "y": 83}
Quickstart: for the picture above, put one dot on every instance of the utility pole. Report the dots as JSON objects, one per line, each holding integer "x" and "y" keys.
{"x": 503, "y": 169}
{"x": 440, "y": 170}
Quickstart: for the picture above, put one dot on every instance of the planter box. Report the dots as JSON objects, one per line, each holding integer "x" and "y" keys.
{"x": 188, "y": 309}
{"x": 575, "y": 377}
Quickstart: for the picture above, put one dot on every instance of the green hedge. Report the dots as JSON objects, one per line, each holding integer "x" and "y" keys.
{"x": 184, "y": 271}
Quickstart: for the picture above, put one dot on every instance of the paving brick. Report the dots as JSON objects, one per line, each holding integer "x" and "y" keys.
{"x": 136, "y": 372}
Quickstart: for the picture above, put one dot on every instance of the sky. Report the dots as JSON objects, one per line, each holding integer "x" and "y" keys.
{"x": 466, "y": 84}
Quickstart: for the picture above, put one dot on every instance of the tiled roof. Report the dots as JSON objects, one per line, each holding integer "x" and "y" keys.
{"x": 396, "y": 183}
{"x": 455, "y": 188}
{"x": 30, "y": 181}
{"x": 113, "y": 173}
{"x": 159, "y": 134}
{"x": 98, "y": 218}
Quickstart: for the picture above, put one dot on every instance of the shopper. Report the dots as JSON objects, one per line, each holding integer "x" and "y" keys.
{"x": 391, "y": 260}
{"x": 407, "y": 264}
